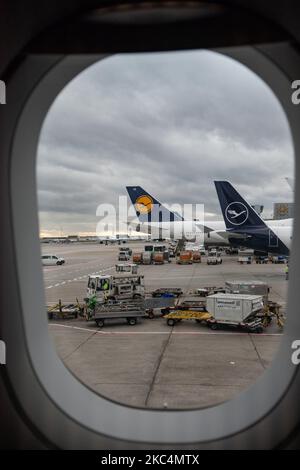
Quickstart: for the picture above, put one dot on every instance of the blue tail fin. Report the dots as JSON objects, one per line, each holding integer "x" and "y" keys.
{"x": 238, "y": 214}
{"x": 241, "y": 218}
{"x": 149, "y": 209}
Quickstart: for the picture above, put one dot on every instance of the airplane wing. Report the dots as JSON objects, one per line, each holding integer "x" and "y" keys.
{"x": 226, "y": 235}
{"x": 204, "y": 228}
{"x": 145, "y": 228}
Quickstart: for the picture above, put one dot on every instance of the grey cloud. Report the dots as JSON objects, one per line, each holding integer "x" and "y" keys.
{"x": 170, "y": 122}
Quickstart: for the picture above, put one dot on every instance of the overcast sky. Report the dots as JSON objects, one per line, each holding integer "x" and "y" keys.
{"x": 170, "y": 122}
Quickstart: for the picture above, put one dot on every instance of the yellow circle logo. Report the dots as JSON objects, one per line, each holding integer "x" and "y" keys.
{"x": 144, "y": 204}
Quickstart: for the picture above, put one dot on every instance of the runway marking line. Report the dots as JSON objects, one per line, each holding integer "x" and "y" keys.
{"x": 78, "y": 278}
{"x": 223, "y": 333}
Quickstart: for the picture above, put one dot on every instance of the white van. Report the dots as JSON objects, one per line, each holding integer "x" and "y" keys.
{"x": 214, "y": 257}
{"x": 51, "y": 260}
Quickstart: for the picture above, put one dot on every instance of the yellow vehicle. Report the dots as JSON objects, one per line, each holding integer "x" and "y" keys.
{"x": 177, "y": 315}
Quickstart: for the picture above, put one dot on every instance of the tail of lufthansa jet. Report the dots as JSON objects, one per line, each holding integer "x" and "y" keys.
{"x": 148, "y": 209}
{"x": 238, "y": 215}
{"x": 241, "y": 218}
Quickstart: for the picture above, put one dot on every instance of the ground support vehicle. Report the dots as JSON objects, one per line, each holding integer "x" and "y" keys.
{"x": 52, "y": 260}
{"x": 245, "y": 259}
{"x": 196, "y": 257}
{"x": 236, "y": 310}
{"x": 185, "y": 257}
{"x": 158, "y": 258}
{"x": 261, "y": 259}
{"x": 205, "y": 291}
{"x": 195, "y": 305}
{"x": 137, "y": 258}
{"x": 167, "y": 291}
{"x": 122, "y": 286}
{"x": 119, "y": 309}
{"x": 126, "y": 249}
{"x": 123, "y": 256}
{"x": 278, "y": 259}
{"x": 254, "y": 325}
{"x": 127, "y": 268}
{"x": 273, "y": 310}
{"x": 129, "y": 311}
{"x": 214, "y": 258}
{"x": 175, "y": 316}
{"x": 65, "y": 311}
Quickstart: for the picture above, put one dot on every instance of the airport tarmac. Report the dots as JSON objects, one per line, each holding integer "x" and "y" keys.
{"x": 151, "y": 364}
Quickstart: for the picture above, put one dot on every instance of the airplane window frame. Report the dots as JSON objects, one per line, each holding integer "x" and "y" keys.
{"x": 101, "y": 422}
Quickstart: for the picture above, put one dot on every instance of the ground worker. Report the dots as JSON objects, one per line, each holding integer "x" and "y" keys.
{"x": 287, "y": 272}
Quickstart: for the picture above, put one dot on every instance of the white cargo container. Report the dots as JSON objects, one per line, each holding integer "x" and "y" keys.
{"x": 251, "y": 287}
{"x": 245, "y": 256}
{"x": 233, "y": 308}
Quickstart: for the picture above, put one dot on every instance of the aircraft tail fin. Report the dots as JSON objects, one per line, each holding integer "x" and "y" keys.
{"x": 237, "y": 212}
{"x": 149, "y": 209}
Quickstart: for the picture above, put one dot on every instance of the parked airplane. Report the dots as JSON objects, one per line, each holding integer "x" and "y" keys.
{"x": 119, "y": 239}
{"x": 156, "y": 219}
{"x": 245, "y": 227}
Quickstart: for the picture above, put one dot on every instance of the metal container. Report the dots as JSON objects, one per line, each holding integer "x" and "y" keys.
{"x": 166, "y": 256}
{"x": 196, "y": 257}
{"x": 185, "y": 257}
{"x": 137, "y": 258}
{"x": 233, "y": 308}
{"x": 147, "y": 257}
{"x": 158, "y": 258}
{"x": 252, "y": 287}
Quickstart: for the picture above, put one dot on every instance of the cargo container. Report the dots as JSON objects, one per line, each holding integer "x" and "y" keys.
{"x": 196, "y": 257}
{"x": 233, "y": 308}
{"x": 185, "y": 257}
{"x": 158, "y": 258}
{"x": 252, "y": 287}
{"x": 166, "y": 254}
{"x": 147, "y": 257}
{"x": 137, "y": 258}
{"x": 245, "y": 256}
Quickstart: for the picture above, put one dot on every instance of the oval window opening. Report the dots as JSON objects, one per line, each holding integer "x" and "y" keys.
{"x": 165, "y": 189}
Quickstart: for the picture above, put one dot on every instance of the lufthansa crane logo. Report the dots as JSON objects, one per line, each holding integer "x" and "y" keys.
{"x": 236, "y": 213}
{"x": 144, "y": 204}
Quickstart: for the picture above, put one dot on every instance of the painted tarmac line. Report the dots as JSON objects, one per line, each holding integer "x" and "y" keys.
{"x": 83, "y": 276}
{"x": 199, "y": 333}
